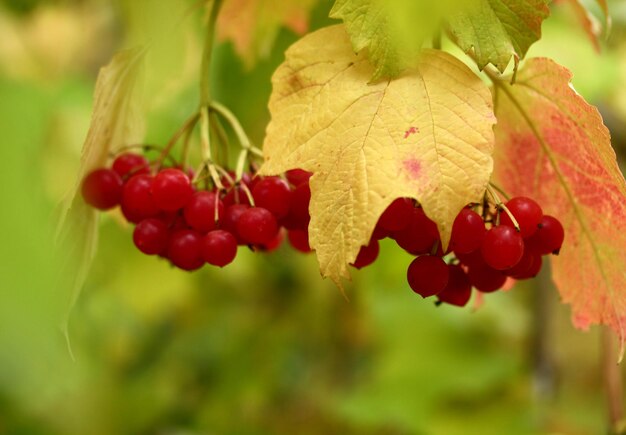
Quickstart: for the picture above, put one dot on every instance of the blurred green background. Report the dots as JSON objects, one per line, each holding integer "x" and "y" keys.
{"x": 264, "y": 346}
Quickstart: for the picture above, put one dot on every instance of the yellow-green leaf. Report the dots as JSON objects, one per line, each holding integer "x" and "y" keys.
{"x": 551, "y": 145}
{"x": 391, "y": 31}
{"x": 426, "y": 135}
{"x": 116, "y": 120}
{"x": 496, "y": 30}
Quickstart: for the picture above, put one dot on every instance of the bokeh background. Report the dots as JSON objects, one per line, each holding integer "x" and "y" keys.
{"x": 264, "y": 346}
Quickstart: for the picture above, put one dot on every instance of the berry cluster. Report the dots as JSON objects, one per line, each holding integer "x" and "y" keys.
{"x": 190, "y": 226}
{"x": 505, "y": 240}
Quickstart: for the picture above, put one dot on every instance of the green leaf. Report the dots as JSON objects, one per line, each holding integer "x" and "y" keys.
{"x": 116, "y": 121}
{"x": 496, "y": 30}
{"x": 392, "y": 31}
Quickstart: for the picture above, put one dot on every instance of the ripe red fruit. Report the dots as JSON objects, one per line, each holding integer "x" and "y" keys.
{"x": 231, "y": 218}
{"x": 257, "y": 226}
{"x": 527, "y": 213}
{"x": 428, "y": 275}
{"x": 171, "y": 189}
{"x": 151, "y": 236}
{"x": 299, "y": 240}
{"x": 102, "y": 189}
{"x": 185, "y": 249}
{"x": 459, "y": 290}
{"x": 367, "y": 255}
{"x": 236, "y": 195}
{"x": 533, "y": 269}
{"x": 549, "y": 236}
{"x": 273, "y": 244}
{"x": 200, "y": 211}
{"x": 522, "y": 266}
{"x": 397, "y": 215}
{"x": 502, "y": 247}
{"x": 419, "y": 236}
{"x": 468, "y": 232}
{"x": 273, "y": 194}
{"x": 137, "y": 201}
{"x": 129, "y": 164}
{"x": 219, "y": 248}
{"x": 299, "y": 207}
{"x": 485, "y": 278}
{"x": 298, "y": 176}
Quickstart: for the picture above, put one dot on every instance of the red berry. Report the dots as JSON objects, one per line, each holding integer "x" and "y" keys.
{"x": 533, "y": 269}
{"x": 473, "y": 259}
{"x": 219, "y": 248}
{"x": 236, "y": 195}
{"x": 419, "y": 236}
{"x": 273, "y": 194}
{"x": 549, "y": 236}
{"x": 486, "y": 279}
{"x": 458, "y": 290}
{"x": 299, "y": 240}
{"x": 257, "y": 226}
{"x": 397, "y": 215}
{"x": 273, "y": 244}
{"x": 298, "y": 176}
{"x": 502, "y": 247}
{"x": 468, "y": 232}
{"x": 200, "y": 211}
{"x": 185, "y": 249}
{"x": 428, "y": 275}
{"x": 102, "y": 189}
{"x": 231, "y": 218}
{"x": 151, "y": 236}
{"x": 522, "y": 266}
{"x": 129, "y": 164}
{"x": 171, "y": 189}
{"x": 299, "y": 207}
{"x": 367, "y": 255}
{"x": 137, "y": 201}
{"x": 527, "y": 213}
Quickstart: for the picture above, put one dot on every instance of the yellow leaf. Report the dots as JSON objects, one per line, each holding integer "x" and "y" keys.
{"x": 426, "y": 135}
{"x": 253, "y": 25}
{"x": 116, "y": 121}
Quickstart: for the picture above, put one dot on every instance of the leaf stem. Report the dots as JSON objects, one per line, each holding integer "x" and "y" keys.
{"x": 500, "y": 190}
{"x": 500, "y": 206}
{"x": 232, "y": 120}
{"x": 209, "y": 37}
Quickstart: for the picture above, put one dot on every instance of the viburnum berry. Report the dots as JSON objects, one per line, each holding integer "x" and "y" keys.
{"x": 468, "y": 232}
{"x": 129, "y": 164}
{"x": 299, "y": 240}
{"x": 485, "y": 278}
{"x": 273, "y": 194}
{"x": 236, "y": 195}
{"x": 171, "y": 189}
{"x": 202, "y": 211}
{"x": 367, "y": 255}
{"x": 257, "y": 226}
{"x": 534, "y": 268}
{"x": 185, "y": 249}
{"x": 151, "y": 236}
{"x": 273, "y": 244}
{"x": 458, "y": 290}
{"x": 527, "y": 213}
{"x": 419, "y": 236}
{"x": 298, "y": 176}
{"x": 502, "y": 247}
{"x": 298, "y": 217}
{"x": 102, "y": 189}
{"x": 397, "y": 215}
{"x": 232, "y": 214}
{"x": 428, "y": 275}
{"x": 219, "y": 248}
{"x": 137, "y": 201}
{"x": 549, "y": 236}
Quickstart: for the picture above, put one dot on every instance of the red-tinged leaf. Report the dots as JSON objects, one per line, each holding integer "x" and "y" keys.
{"x": 589, "y": 22}
{"x": 253, "y": 25}
{"x": 552, "y": 145}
